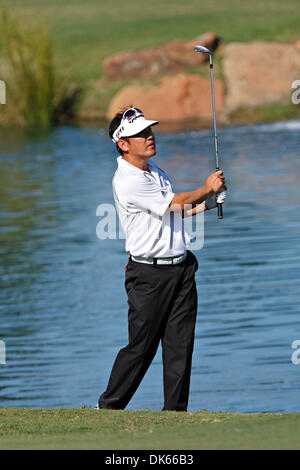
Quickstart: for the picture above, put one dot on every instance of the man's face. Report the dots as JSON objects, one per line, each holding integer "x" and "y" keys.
{"x": 142, "y": 144}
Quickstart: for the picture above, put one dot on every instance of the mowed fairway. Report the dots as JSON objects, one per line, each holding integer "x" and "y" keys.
{"x": 120, "y": 430}
{"x": 84, "y": 33}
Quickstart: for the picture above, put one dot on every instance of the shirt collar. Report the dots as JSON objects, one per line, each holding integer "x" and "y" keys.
{"x": 125, "y": 164}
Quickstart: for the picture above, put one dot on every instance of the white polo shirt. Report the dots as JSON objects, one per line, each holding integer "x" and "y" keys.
{"x": 142, "y": 200}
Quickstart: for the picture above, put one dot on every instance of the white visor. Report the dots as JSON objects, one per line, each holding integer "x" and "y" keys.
{"x": 132, "y": 125}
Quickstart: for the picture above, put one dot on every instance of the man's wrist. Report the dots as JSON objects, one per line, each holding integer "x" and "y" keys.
{"x": 209, "y": 192}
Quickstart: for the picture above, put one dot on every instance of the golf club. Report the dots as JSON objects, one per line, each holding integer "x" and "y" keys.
{"x": 208, "y": 51}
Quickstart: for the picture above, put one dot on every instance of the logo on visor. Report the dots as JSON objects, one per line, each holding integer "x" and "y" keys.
{"x": 134, "y": 118}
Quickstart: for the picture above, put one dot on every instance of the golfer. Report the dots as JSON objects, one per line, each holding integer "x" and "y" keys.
{"x": 159, "y": 277}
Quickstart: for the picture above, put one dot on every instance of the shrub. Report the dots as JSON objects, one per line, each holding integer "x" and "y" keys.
{"x": 35, "y": 98}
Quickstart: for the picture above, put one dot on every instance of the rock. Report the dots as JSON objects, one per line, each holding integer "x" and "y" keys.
{"x": 169, "y": 58}
{"x": 175, "y": 98}
{"x": 259, "y": 73}
{"x": 297, "y": 44}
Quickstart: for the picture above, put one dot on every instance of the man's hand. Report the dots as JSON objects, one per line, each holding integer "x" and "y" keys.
{"x": 213, "y": 185}
{"x": 215, "y": 182}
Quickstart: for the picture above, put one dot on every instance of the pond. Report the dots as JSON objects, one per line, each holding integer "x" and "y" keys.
{"x": 63, "y": 305}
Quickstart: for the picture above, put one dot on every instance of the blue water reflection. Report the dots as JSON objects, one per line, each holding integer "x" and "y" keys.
{"x": 63, "y": 306}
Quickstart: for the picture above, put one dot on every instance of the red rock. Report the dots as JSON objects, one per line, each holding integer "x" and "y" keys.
{"x": 175, "y": 98}
{"x": 297, "y": 44}
{"x": 259, "y": 73}
{"x": 168, "y": 58}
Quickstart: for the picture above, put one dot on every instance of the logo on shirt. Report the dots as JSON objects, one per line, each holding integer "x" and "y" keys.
{"x": 148, "y": 176}
{"x": 164, "y": 184}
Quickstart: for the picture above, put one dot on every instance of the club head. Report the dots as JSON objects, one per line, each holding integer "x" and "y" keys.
{"x": 202, "y": 49}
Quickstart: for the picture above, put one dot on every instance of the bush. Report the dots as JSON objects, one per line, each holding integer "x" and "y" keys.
{"x": 35, "y": 98}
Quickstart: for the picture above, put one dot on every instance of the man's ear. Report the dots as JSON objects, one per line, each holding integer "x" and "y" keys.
{"x": 124, "y": 145}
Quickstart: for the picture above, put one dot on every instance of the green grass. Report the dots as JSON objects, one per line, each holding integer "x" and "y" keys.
{"x": 22, "y": 428}
{"x": 84, "y": 33}
{"x": 266, "y": 113}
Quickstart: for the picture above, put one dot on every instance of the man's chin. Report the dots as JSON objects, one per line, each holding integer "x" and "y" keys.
{"x": 152, "y": 151}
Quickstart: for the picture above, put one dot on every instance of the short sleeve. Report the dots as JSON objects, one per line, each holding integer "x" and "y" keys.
{"x": 149, "y": 196}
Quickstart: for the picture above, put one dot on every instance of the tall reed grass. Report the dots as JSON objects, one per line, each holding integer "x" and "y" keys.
{"x": 36, "y": 98}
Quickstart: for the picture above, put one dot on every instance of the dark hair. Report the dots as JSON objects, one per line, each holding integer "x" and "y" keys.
{"x": 116, "y": 121}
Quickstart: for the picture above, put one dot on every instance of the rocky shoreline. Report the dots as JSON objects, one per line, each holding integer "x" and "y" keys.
{"x": 253, "y": 81}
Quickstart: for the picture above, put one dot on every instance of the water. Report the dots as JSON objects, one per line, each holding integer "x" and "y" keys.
{"x": 63, "y": 306}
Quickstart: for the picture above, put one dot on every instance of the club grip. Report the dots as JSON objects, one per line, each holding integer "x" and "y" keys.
{"x": 220, "y": 211}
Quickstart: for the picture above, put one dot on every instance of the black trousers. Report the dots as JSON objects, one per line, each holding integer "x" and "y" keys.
{"x": 162, "y": 303}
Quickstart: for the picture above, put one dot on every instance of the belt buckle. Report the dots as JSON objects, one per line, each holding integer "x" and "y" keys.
{"x": 166, "y": 262}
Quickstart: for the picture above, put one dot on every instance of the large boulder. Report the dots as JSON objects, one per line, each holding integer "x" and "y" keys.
{"x": 175, "y": 98}
{"x": 297, "y": 44}
{"x": 172, "y": 57}
{"x": 259, "y": 73}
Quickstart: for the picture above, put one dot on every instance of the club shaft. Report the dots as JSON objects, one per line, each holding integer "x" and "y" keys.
{"x": 206, "y": 50}
{"x": 214, "y": 111}
{"x": 219, "y": 206}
